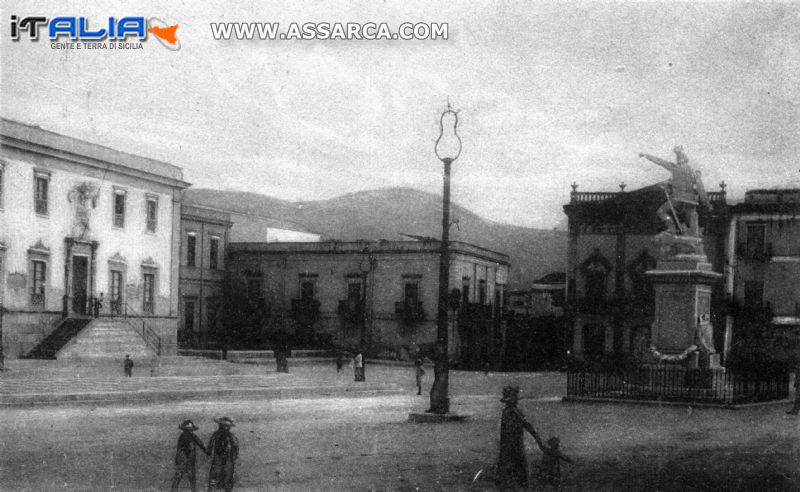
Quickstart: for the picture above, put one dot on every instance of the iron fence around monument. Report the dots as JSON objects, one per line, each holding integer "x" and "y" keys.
{"x": 678, "y": 384}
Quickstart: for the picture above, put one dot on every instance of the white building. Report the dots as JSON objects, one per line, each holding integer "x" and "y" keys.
{"x": 77, "y": 220}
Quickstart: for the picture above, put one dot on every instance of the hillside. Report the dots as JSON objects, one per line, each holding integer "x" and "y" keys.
{"x": 388, "y": 213}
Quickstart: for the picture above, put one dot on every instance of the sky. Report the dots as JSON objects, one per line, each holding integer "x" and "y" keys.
{"x": 548, "y": 93}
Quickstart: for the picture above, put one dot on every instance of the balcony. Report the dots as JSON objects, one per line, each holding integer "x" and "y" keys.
{"x": 410, "y": 311}
{"x": 754, "y": 253}
{"x": 352, "y": 310}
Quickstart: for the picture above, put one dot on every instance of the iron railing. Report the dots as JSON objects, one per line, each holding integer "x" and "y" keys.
{"x": 138, "y": 323}
{"x": 680, "y": 385}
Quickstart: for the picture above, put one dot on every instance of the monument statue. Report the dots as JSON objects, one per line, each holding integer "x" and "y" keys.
{"x": 684, "y": 192}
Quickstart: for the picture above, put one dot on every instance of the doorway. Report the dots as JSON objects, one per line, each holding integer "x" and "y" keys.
{"x": 80, "y": 287}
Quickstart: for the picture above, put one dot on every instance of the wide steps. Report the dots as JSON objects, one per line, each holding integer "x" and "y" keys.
{"x": 107, "y": 339}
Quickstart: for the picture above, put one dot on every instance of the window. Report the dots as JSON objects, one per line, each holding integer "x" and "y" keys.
{"x": 411, "y": 292}
{"x": 188, "y": 316}
{"x": 213, "y": 253}
{"x": 191, "y": 249}
{"x": 116, "y": 292}
{"x": 149, "y": 293}
{"x": 753, "y": 293}
{"x": 41, "y": 184}
{"x": 39, "y": 282}
{"x": 306, "y": 290}
{"x": 152, "y": 214}
{"x": 482, "y": 292}
{"x": 119, "y": 208}
{"x": 465, "y": 292}
{"x": 212, "y": 314}
{"x": 756, "y": 238}
{"x": 354, "y": 291}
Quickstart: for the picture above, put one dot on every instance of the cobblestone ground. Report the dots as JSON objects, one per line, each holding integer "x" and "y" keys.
{"x": 365, "y": 443}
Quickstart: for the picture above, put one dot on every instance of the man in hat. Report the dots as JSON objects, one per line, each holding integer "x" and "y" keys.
{"x": 186, "y": 455}
{"x": 224, "y": 449}
{"x": 128, "y": 365}
{"x": 512, "y": 465}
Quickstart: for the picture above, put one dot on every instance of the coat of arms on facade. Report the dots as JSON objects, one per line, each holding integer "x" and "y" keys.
{"x": 84, "y": 197}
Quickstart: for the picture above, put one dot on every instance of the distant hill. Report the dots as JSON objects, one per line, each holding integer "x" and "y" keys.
{"x": 388, "y": 213}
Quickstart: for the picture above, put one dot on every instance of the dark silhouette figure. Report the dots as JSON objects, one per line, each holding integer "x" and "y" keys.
{"x": 128, "y": 366}
{"x": 186, "y": 455}
{"x": 339, "y": 361}
{"x": 550, "y": 467}
{"x": 512, "y": 465}
{"x": 224, "y": 449}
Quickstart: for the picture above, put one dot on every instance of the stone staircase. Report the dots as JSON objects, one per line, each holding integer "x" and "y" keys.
{"x": 107, "y": 338}
{"x": 64, "y": 332}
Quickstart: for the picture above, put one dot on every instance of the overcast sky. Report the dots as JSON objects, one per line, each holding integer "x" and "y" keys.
{"x": 549, "y": 94}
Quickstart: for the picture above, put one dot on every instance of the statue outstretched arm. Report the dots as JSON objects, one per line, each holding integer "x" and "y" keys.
{"x": 658, "y": 161}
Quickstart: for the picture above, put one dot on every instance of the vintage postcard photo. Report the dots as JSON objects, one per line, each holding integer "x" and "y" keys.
{"x": 399, "y": 246}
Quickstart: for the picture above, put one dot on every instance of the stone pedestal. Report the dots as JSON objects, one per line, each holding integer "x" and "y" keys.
{"x": 682, "y": 286}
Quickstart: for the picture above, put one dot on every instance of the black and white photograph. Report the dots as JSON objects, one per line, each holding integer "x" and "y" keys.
{"x": 399, "y": 246}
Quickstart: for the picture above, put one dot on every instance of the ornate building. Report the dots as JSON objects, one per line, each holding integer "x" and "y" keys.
{"x": 78, "y": 222}
{"x": 611, "y": 244}
{"x": 764, "y": 268}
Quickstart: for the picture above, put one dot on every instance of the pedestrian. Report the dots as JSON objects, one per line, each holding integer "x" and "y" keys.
{"x": 549, "y": 472}
{"x": 358, "y": 367}
{"x": 224, "y": 450}
{"x": 186, "y": 455}
{"x": 98, "y": 305}
{"x": 796, "y": 407}
{"x": 128, "y": 365}
{"x": 419, "y": 372}
{"x": 339, "y": 361}
{"x": 512, "y": 466}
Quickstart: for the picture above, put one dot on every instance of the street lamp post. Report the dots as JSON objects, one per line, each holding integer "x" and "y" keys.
{"x": 448, "y": 148}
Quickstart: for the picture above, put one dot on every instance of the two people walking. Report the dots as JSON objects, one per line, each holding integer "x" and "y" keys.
{"x": 223, "y": 448}
{"x": 512, "y": 464}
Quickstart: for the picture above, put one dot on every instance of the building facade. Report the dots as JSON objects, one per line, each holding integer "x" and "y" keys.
{"x": 79, "y": 222}
{"x": 611, "y": 246}
{"x": 205, "y": 234}
{"x": 763, "y": 277}
{"x": 381, "y": 295}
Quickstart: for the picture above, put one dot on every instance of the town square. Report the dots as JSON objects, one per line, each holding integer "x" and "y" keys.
{"x": 484, "y": 246}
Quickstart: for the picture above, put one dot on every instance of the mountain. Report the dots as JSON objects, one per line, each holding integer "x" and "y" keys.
{"x": 389, "y": 213}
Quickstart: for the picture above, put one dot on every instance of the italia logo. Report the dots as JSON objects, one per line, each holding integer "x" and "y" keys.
{"x": 133, "y": 28}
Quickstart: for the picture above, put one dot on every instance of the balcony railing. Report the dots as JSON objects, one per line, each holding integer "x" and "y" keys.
{"x": 409, "y": 311}
{"x": 352, "y": 310}
{"x": 148, "y": 307}
{"x": 37, "y": 300}
{"x": 754, "y": 253}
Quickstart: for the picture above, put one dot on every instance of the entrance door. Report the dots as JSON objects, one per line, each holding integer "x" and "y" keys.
{"x": 80, "y": 276}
